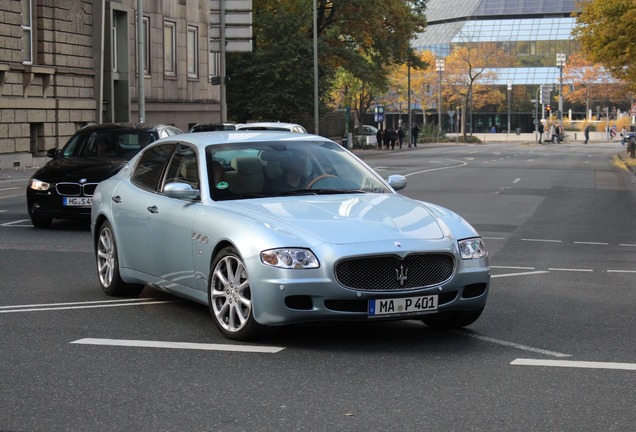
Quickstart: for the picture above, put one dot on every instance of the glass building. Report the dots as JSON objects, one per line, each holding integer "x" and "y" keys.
{"x": 532, "y": 32}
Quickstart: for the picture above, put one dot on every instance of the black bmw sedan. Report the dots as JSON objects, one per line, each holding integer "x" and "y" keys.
{"x": 64, "y": 187}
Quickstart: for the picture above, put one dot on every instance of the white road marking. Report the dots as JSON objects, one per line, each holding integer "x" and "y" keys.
{"x": 517, "y": 180}
{"x": 82, "y": 305}
{"x": 520, "y": 274}
{"x": 15, "y": 223}
{"x": 493, "y": 238}
{"x": 11, "y": 196}
{"x": 512, "y": 344}
{"x": 461, "y": 164}
{"x": 574, "y": 364}
{"x": 621, "y": 271}
{"x": 627, "y": 245}
{"x": 591, "y": 243}
{"x": 513, "y": 267}
{"x": 570, "y": 269}
{"x": 180, "y": 345}
{"x": 542, "y": 240}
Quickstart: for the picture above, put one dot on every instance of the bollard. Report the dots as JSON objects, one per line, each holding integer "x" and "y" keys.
{"x": 631, "y": 147}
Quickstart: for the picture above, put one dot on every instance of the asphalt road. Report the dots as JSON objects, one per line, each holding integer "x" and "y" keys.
{"x": 554, "y": 350}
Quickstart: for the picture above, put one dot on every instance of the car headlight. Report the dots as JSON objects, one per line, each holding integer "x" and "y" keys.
{"x": 290, "y": 258}
{"x": 472, "y": 248}
{"x": 39, "y": 185}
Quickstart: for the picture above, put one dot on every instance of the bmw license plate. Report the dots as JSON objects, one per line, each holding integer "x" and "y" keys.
{"x": 400, "y": 306}
{"x": 77, "y": 201}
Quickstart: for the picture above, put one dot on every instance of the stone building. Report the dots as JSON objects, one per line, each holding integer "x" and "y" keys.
{"x": 68, "y": 63}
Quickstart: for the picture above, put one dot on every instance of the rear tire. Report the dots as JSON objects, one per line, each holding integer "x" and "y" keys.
{"x": 230, "y": 296}
{"x": 108, "y": 265}
{"x": 452, "y": 320}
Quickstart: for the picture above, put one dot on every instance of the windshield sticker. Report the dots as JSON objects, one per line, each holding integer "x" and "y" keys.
{"x": 222, "y": 185}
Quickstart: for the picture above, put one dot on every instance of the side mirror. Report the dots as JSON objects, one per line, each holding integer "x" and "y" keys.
{"x": 53, "y": 153}
{"x": 180, "y": 190}
{"x": 397, "y": 181}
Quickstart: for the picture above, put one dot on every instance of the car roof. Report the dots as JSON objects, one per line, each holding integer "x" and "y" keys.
{"x": 203, "y": 139}
{"x": 203, "y": 127}
{"x": 267, "y": 124}
{"x": 112, "y": 127}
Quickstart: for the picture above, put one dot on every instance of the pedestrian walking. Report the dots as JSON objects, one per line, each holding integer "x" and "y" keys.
{"x": 415, "y": 131}
{"x": 400, "y": 133}
{"x": 541, "y": 130}
{"x": 586, "y": 132}
{"x": 378, "y": 137}
{"x": 393, "y": 137}
{"x": 386, "y": 138}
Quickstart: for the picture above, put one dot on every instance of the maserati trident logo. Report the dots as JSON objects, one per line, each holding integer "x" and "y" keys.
{"x": 402, "y": 274}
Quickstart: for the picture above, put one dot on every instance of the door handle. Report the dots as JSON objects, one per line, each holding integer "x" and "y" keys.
{"x": 116, "y": 199}
{"x": 153, "y": 209}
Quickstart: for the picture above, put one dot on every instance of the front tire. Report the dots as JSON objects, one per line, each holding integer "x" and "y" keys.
{"x": 452, "y": 320}
{"x": 108, "y": 265}
{"x": 230, "y": 296}
{"x": 40, "y": 221}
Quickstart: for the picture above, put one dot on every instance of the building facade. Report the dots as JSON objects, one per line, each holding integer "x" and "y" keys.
{"x": 68, "y": 63}
{"x": 530, "y": 32}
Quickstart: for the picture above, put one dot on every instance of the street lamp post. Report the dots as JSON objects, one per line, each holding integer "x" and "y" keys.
{"x": 509, "y": 90}
{"x": 439, "y": 66}
{"x": 315, "y": 40}
{"x": 560, "y": 63}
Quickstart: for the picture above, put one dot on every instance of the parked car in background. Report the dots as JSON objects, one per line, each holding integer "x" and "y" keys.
{"x": 270, "y": 228}
{"x": 272, "y": 126}
{"x": 64, "y": 187}
{"x": 366, "y": 135}
{"x": 211, "y": 127}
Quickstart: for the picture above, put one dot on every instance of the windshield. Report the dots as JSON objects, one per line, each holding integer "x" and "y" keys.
{"x": 107, "y": 144}
{"x": 249, "y": 170}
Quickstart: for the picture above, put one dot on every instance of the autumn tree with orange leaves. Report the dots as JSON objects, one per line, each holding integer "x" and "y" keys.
{"x": 591, "y": 82}
{"x": 469, "y": 76}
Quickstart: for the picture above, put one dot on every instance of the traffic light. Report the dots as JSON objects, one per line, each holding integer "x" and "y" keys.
{"x": 548, "y": 109}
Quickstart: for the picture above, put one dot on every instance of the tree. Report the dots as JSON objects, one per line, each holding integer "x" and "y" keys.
{"x": 363, "y": 37}
{"x": 605, "y": 30}
{"x": 591, "y": 83}
{"x": 347, "y": 91}
{"x": 468, "y": 77}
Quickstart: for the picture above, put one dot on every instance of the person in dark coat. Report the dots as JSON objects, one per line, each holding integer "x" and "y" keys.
{"x": 386, "y": 138}
{"x": 378, "y": 137}
{"x": 415, "y": 131}
{"x": 393, "y": 137}
{"x": 400, "y": 134}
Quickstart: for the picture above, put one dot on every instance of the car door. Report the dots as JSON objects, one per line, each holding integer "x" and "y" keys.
{"x": 132, "y": 201}
{"x": 169, "y": 229}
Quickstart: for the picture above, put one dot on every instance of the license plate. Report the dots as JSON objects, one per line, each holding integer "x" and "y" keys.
{"x": 400, "y": 306}
{"x": 78, "y": 201}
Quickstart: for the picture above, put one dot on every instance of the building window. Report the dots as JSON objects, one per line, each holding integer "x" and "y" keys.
{"x": 214, "y": 62}
{"x": 27, "y": 31}
{"x": 193, "y": 52}
{"x": 114, "y": 44}
{"x": 147, "y": 46}
{"x": 169, "y": 48}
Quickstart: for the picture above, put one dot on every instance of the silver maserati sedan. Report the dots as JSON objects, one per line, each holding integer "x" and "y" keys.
{"x": 272, "y": 228}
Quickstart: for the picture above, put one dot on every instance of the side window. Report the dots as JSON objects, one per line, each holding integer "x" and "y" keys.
{"x": 150, "y": 166}
{"x": 183, "y": 167}
{"x": 77, "y": 146}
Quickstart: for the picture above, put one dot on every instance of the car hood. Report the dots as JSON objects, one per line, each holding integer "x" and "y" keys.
{"x": 340, "y": 219}
{"x": 93, "y": 169}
